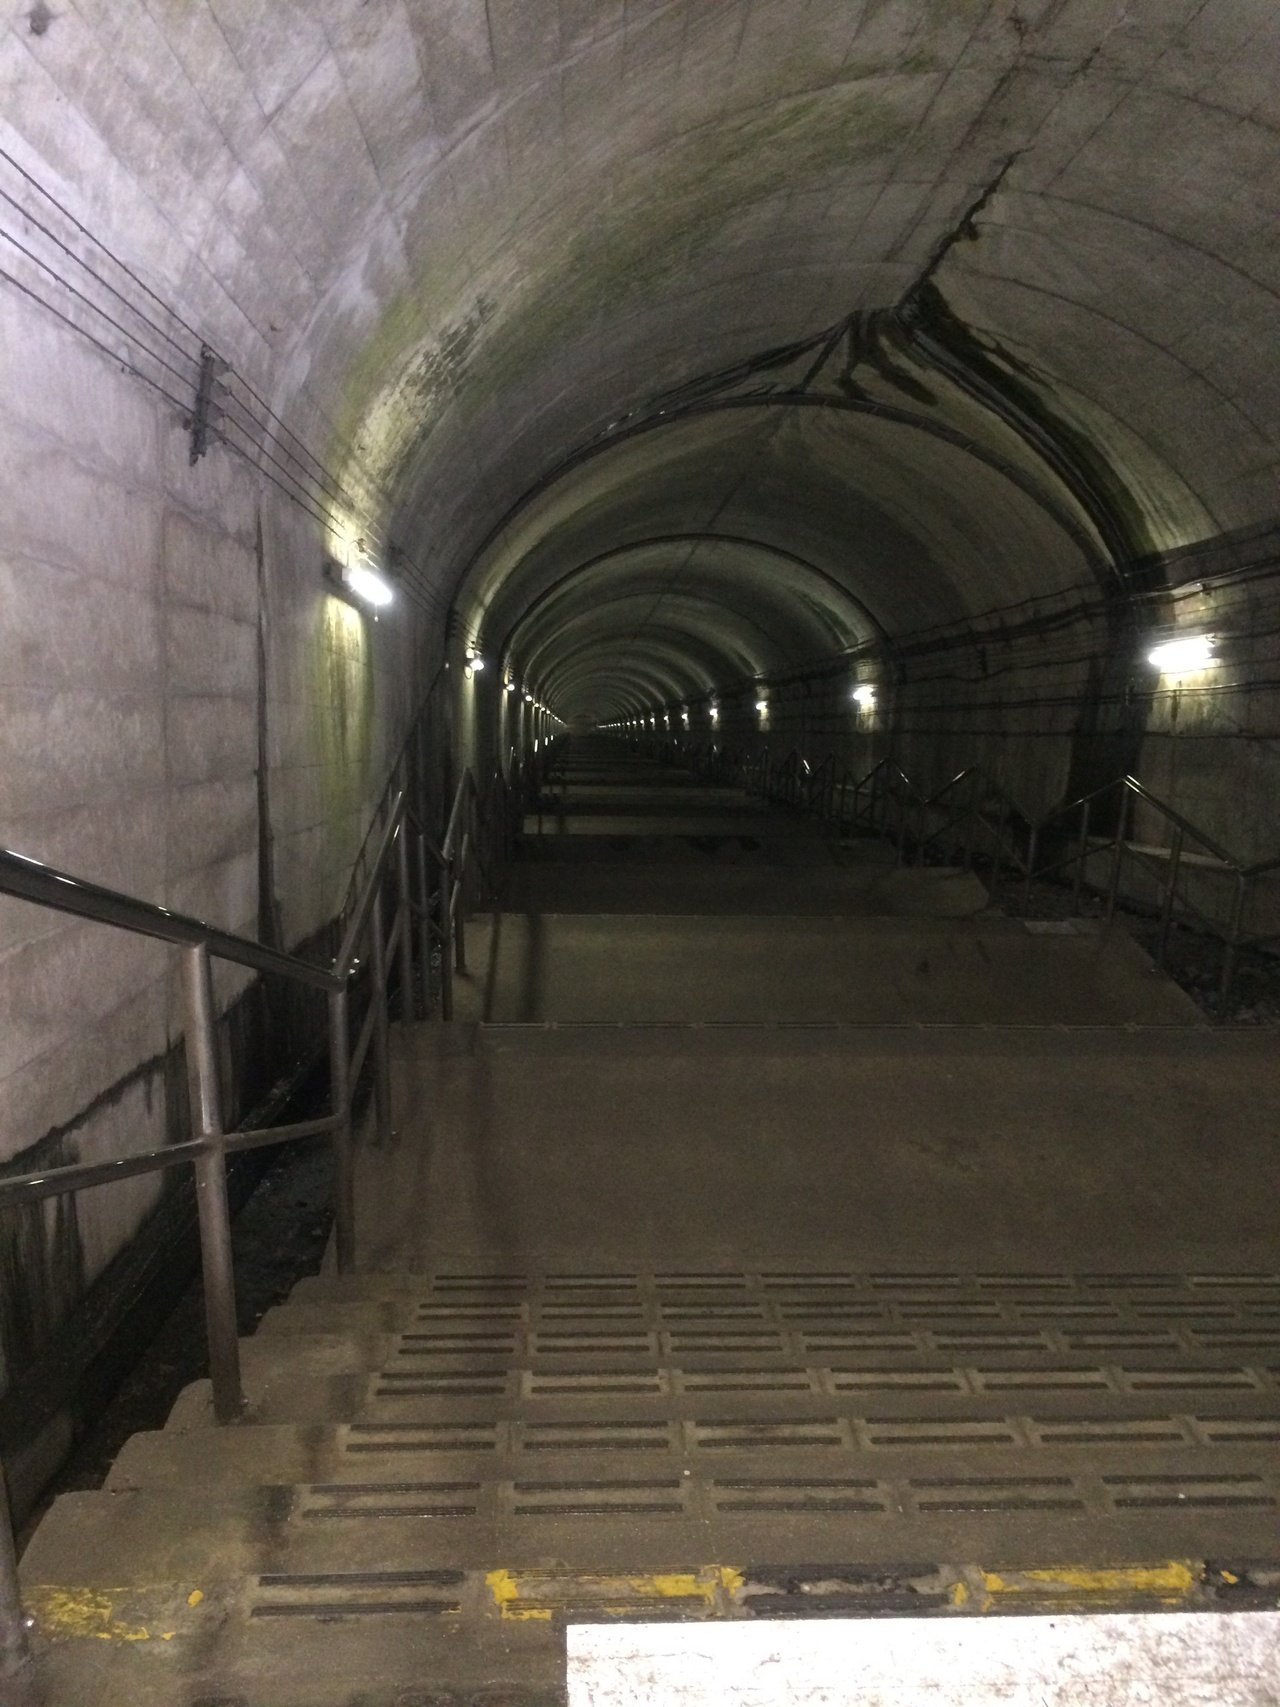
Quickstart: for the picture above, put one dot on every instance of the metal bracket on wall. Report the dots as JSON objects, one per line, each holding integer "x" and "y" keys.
{"x": 210, "y": 396}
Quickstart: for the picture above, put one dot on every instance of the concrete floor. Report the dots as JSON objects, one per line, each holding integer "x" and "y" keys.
{"x": 724, "y": 1308}
{"x": 956, "y": 1148}
{"x": 750, "y": 969}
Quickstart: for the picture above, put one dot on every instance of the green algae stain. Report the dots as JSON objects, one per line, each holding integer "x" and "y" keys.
{"x": 639, "y": 239}
{"x": 343, "y": 694}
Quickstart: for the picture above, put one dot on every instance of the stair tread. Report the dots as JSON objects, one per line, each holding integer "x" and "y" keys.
{"x": 636, "y": 1519}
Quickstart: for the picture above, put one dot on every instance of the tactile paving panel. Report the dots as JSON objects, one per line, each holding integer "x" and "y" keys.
{"x": 832, "y": 1404}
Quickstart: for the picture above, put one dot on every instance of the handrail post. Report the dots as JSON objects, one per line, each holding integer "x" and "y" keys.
{"x": 211, "y": 1187}
{"x": 902, "y": 829}
{"x": 408, "y": 1002}
{"x": 1232, "y": 950}
{"x": 381, "y": 1021}
{"x": 344, "y": 1199}
{"x": 424, "y": 925}
{"x": 1001, "y": 821}
{"x": 458, "y": 910}
{"x": 1117, "y": 860}
{"x": 1082, "y": 854}
{"x": 1170, "y": 896}
{"x": 14, "y": 1651}
{"x": 446, "y": 938}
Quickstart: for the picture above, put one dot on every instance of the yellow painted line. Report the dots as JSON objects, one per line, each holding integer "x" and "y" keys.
{"x": 538, "y": 1595}
{"x": 70, "y": 1613}
{"x": 1169, "y": 1582}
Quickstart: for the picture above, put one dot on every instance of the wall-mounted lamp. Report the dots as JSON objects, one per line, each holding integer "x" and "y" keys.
{"x": 1183, "y": 656}
{"x": 359, "y": 583}
{"x": 512, "y": 687}
{"x": 762, "y": 706}
{"x": 864, "y": 696}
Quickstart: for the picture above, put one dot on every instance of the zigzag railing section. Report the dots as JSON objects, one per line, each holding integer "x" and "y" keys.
{"x": 1088, "y": 844}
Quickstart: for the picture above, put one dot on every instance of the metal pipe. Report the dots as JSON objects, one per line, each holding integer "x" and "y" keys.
{"x": 446, "y": 939}
{"x": 1082, "y": 853}
{"x": 408, "y": 1003}
{"x": 347, "y": 956}
{"x": 458, "y": 917}
{"x": 381, "y": 1023}
{"x": 211, "y": 1187}
{"x": 1117, "y": 860}
{"x": 1001, "y": 825}
{"x": 1231, "y": 952}
{"x": 344, "y": 1200}
{"x": 14, "y": 1652}
{"x": 424, "y": 926}
{"x": 1170, "y": 896}
{"x": 58, "y": 890}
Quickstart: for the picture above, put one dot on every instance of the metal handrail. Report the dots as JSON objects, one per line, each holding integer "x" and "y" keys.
{"x": 365, "y": 939}
{"x": 952, "y": 817}
{"x": 46, "y": 886}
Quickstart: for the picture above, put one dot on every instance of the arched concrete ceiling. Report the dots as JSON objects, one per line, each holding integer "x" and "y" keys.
{"x": 459, "y": 242}
{"x": 756, "y": 609}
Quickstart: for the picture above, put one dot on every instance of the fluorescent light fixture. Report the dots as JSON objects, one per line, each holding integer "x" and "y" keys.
{"x": 864, "y": 695}
{"x": 1180, "y": 657}
{"x": 358, "y": 581}
{"x": 368, "y": 585}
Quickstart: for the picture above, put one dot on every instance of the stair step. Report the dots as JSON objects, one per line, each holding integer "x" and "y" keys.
{"x": 649, "y": 967}
{"x": 864, "y": 888}
{"x": 1192, "y": 1355}
{"x": 650, "y": 1514}
{"x": 291, "y": 1381}
{"x": 775, "y": 1290}
{"x": 389, "y": 1640}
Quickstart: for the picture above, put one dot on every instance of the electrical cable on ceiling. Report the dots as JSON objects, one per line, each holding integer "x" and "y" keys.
{"x": 259, "y": 439}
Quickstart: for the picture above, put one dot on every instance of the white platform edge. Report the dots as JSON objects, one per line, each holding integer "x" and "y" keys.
{"x": 1102, "y": 1660}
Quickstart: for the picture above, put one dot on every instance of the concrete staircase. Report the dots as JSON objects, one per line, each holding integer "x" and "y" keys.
{"x": 761, "y": 1298}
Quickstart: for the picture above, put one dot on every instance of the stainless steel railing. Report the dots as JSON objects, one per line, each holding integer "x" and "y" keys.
{"x": 402, "y": 856}
{"x": 974, "y": 819}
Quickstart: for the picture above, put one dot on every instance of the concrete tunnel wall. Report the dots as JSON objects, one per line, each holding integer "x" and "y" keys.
{"x": 656, "y": 351}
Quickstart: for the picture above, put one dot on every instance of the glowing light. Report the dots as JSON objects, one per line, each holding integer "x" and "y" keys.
{"x": 762, "y": 706}
{"x": 368, "y": 585}
{"x": 477, "y": 664}
{"x": 511, "y": 688}
{"x": 1180, "y": 657}
{"x": 864, "y": 696}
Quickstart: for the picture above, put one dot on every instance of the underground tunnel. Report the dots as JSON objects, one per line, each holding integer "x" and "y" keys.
{"x": 642, "y": 632}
